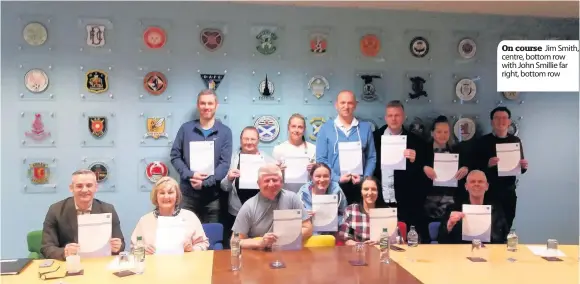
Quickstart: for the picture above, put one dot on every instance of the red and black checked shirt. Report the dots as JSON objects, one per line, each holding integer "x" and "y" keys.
{"x": 356, "y": 225}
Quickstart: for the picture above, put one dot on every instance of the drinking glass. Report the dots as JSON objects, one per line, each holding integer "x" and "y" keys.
{"x": 276, "y": 251}
{"x": 359, "y": 253}
{"x": 552, "y": 248}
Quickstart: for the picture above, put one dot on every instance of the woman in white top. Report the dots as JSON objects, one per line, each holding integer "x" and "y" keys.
{"x": 295, "y": 146}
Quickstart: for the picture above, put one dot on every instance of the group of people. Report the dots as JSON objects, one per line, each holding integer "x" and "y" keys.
{"x": 220, "y": 198}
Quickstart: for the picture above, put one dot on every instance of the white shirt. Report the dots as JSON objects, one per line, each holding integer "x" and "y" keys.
{"x": 345, "y": 128}
{"x": 287, "y": 149}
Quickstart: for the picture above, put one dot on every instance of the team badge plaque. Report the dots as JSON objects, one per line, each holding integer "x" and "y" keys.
{"x": 317, "y": 85}
{"x": 155, "y": 83}
{"x": 36, "y": 81}
{"x": 467, "y": 48}
{"x": 156, "y": 170}
{"x": 35, "y": 34}
{"x": 316, "y": 123}
{"x": 268, "y": 128}
{"x": 211, "y": 39}
{"x": 510, "y": 95}
{"x": 212, "y": 81}
{"x": 465, "y": 89}
{"x": 369, "y": 91}
{"x": 95, "y": 35}
{"x": 417, "y": 85}
{"x": 266, "y": 89}
{"x": 37, "y": 130}
{"x": 514, "y": 128}
{"x": 370, "y": 45}
{"x": 156, "y": 128}
{"x": 419, "y": 47}
{"x": 318, "y": 43}
{"x": 464, "y": 129}
{"x": 97, "y": 81}
{"x": 101, "y": 171}
{"x": 154, "y": 37}
{"x": 267, "y": 42}
{"x": 97, "y": 126}
{"x": 39, "y": 173}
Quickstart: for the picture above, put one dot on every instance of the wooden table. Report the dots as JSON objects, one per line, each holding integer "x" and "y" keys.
{"x": 310, "y": 265}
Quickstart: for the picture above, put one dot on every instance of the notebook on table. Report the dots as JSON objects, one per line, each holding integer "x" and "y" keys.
{"x": 13, "y": 266}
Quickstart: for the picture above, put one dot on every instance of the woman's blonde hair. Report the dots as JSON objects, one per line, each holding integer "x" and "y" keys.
{"x": 163, "y": 183}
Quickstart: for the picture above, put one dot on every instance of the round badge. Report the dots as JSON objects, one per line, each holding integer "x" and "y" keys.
{"x": 211, "y": 39}
{"x": 510, "y": 95}
{"x": 268, "y": 128}
{"x": 155, "y": 83}
{"x": 100, "y": 170}
{"x": 35, "y": 34}
{"x": 514, "y": 129}
{"x": 156, "y": 170}
{"x": 419, "y": 47}
{"x": 467, "y": 48}
{"x": 418, "y": 127}
{"x": 370, "y": 45}
{"x": 464, "y": 129}
{"x": 36, "y": 81}
{"x": 318, "y": 43}
{"x": 266, "y": 88}
{"x": 465, "y": 89}
{"x": 154, "y": 37}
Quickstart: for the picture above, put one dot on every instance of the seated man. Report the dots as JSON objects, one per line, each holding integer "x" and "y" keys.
{"x": 256, "y": 217}
{"x": 60, "y": 228}
{"x": 450, "y": 231}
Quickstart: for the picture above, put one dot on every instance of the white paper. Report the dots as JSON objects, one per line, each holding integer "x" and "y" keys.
{"x": 94, "y": 232}
{"x": 509, "y": 159}
{"x": 393, "y": 152}
{"x": 201, "y": 157}
{"x": 170, "y": 235}
{"x": 476, "y": 223}
{"x": 446, "y": 166}
{"x": 381, "y": 218}
{"x": 543, "y": 251}
{"x": 350, "y": 158}
{"x": 295, "y": 171}
{"x": 288, "y": 228}
{"x": 325, "y": 207}
{"x": 249, "y": 167}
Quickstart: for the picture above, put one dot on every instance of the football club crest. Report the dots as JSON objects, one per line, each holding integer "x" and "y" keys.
{"x": 37, "y": 131}
{"x": 156, "y": 128}
{"x": 211, "y": 39}
{"x": 419, "y": 47}
{"x": 317, "y": 85}
{"x": 95, "y": 35}
{"x": 212, "y": 81}
{"x": 156, "y": 170}
{"x": 36, "y": 81}
{"x": 268, "y": 128}
{"x": 97, "y": 81}
{"x": 39, "y": 173}
{"x": 266, "y": 89}
{"x": 101, "y": 171}
{"x": 35, "y": 34}
{"x": 369, "y": 91}
{"x": 370, "y": 45}
{"x": 510, "y": 95}
{"x": 465, "y": 89}
{"x": 155, "y": 83}
{"x": 318, "y": 43}
{"x": 417, "y": 85}
{"x": 464, "y": 129}
{"x": 97, "y": 126}
{"x": 418, "y": 127}
{"x": 316, "y": 123}
{"x": 154, "y": 37}
{"x": 267, "y": 41}
{"x": 514, "y": 129}
{"x": 467, "y": 48}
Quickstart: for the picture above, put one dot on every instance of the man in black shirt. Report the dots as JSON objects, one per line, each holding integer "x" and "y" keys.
{"x": 501, "y": 188}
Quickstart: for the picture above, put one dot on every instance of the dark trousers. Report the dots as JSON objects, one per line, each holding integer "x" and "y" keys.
{"x": 228, "y": 222}
{"x": 352, "y": 192}
{"x": 206, "y": 211}
{"x": 509, "y": 203}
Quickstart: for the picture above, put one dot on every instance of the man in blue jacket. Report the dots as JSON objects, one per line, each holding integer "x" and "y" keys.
{"x": 347, "y": 134}
{"x": 201, "y": 192}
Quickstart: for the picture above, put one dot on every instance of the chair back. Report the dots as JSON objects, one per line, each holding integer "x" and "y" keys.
{"x": 434, "y": 231}
{"x": 402, "y": 230}
{"x": 320, "y": 241}
{"x": 34, "y": 242}
{"x": 215, "y": 234}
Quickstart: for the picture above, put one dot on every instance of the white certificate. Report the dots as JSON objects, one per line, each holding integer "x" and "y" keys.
{"x": 94, "y": 234}
{"x": 393, "y": 152}
{"x": 170, "y": 235}
{"x": 446, "y": 166}
{"x": 509, "y": 159}
{"x": 325, "y": 207}
{"x": 249, "y": 166}
{"x": 350, "y": 158}
{"x": 476, "y": 223}
{"x": 381, "y": 218}
{"x": 201, "y": 157}
{"x": 295, "y": 171}
{"x": 288, "y": 229}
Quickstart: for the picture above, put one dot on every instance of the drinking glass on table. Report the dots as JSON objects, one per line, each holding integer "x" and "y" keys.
{"x": 359, "y": 253}
{"x": 552, "y": 248}
{"x": 276, "y": 252}
{"x": 476, "y": 248}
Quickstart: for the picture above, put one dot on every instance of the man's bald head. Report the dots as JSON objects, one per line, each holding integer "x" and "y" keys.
{"x": 476, "y": 183}
{"x": 345, "y": 103}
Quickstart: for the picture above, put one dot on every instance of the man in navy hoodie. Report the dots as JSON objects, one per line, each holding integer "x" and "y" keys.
{"x": 201, "y": 192}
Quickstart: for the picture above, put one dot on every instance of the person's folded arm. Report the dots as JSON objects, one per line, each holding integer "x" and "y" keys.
{"x": 50, "y": 245}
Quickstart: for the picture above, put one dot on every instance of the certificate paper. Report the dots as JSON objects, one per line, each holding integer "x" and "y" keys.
{"x": 350, "y": 158}
{"x": 477, "y": 222}
{"x": 509, "y": 159}
{"x": 325, "y": 217}
{"x": 393, "y": 152}
{"x": 288, "y": 228}
{"x": 170, "y": 235}
{"x": 383, "y": 218}
{"x": 249, "y": 167}
{"x": 446, "y": 166}
{"x": 295, "y": 171}
{"x": 201, "y": 157}
{"x": 94, "y": 234}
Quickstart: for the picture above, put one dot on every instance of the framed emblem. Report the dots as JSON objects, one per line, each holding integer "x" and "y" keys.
{"x": 316, "y": 123}
{"x": 36, "y": 81}
{"x": 154, "y": 37}
{"x": 266, "y": 89}
{"x": 211, "y": 38}
{"x": 318, "y": 43}
{"x": 97, "y": 126}
{"x": 155, "y": 83}
{"x": 268, "y": 128}
{"x": 212, "y": 81}
{"x": 96, "y": 81}
{"x": 467, "y": 48}
{"x": 370, "y": 45}
{"x": 37, "y": 131}
{"x": 35, "y": 34}
{"x": 417, "y": 127}
{"x": 266, "y": 41}
{"x": 465, "y": 89}
{"x": 510, "y": 95}
{"x": 95, "y": 35}
{"x": 464, "y": 129}
{"x": 417, "y": 87}
{"x": 369, "y": 91}
{"x": 317, "y": 85}
{"x": 156, "y": 170}
{"x": 156, "y": 128}
{"x": 39, "y": 173}
{"x": 419, "y": 47}
{"x": 101, "y": 171}
{"x": 514, "y": 128}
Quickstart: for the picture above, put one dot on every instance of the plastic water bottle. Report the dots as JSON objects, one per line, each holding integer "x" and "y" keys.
{"x": 139, "y": 256}
{"x": 512, "y": 245}
{"x": 385, "y": 245}
{"x": 412, "y": 243}
{"x": 236, "y": 253}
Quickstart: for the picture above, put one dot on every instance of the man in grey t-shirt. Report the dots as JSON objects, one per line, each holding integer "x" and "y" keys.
{"x": 256, "y": 217}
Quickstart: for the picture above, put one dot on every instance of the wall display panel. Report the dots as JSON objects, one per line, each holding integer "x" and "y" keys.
{"x": 156, "y": 128}
{"x": 216, "y": 79}
{"x": 154, "y": 83}
{"x": 156, "y": 36}
{"x": 320, "y": 87}
{"x": 370, "y": 86}
{"x": 421, "y": 46}
{"x": 369, "y": 45}
{"x": 269, "y": 126}
{"x": 268, "y": 41}
{"x": 37, "y": 129}
{"x": 97, "y": 82}
{"x": 212, "y": 39}
{"x": 96, "y": 36}
{"x": 151, "y": 169}
{"x": 418, "y": 87}
{"x": 319, "y": 43}
{"x": 39, "y": 174}
{"x": 37, "y": 34}
{"x": 36, "y": 81}
{"x": 314, "y": 121}
{"x": 266, "y": 86}
{"x": 510, "y": 99}
{"x": 98, "y": 129}
{"x": 376, "y": 120}
{"x": 466, "y": 87}
{"x": 466, "y": 127}
{"x": 464, "y": 46}
{"x": 105, "y": 170}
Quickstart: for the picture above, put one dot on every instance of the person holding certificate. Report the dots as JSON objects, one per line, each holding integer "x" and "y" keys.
{"x": 245, "y": 162}
{"x": 346, "y": 145}
{"x": 201, "y": 155}
{"x": 183, "y": 230}
{"x": 484, "y": 222}
{"x": 501, "y": 167}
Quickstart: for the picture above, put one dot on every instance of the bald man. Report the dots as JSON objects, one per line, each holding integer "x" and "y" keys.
{"x": 450, "y": 230}
{"x": 349, "y": 137}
